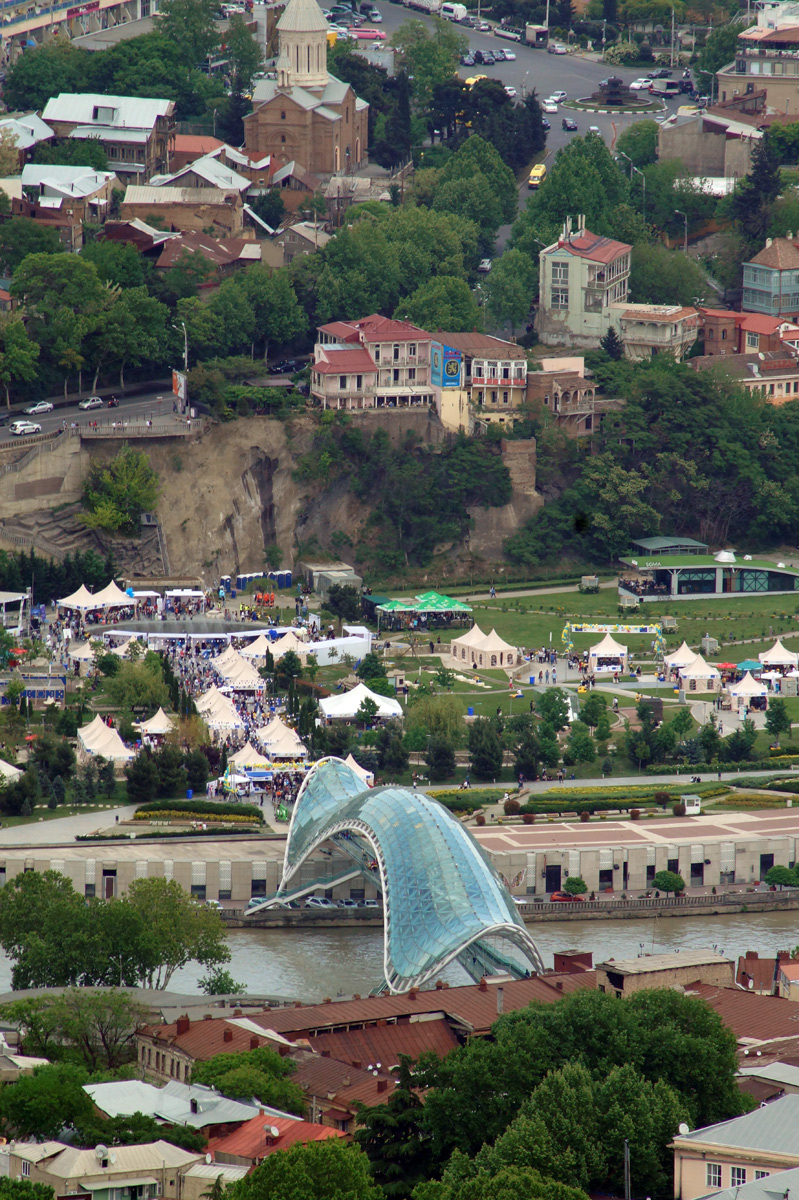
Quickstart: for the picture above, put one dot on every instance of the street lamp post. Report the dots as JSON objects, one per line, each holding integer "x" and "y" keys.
{"x": 643, "y": 180}
{"x": 679, "y": 213}
{"x": 182, "y": 325}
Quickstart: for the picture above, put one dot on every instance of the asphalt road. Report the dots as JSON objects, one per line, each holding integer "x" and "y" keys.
{"x": 135, "y": 408}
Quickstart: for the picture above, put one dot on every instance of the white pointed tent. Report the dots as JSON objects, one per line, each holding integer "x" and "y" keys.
{"x": 82, "y": 600}
{"x": 460, "y": 647}
{"x": 746, "y": 689}
{"x": 280, "y": 740}
{"x": 259, "y": 648}
{"x": 367, "y": 776}
{"x": 236, "y": 671}
{"x": 98, "y": 739}
{"x": 289, "y": 641}
{"x": 607, "y": 655}
{"x": 9, "y": 772}
{"x": 345, "y": 706}
{"x": 112, "y": 596}
{"x": 680, "y": 657}
{"x": 218, "y": 711}
{"x": 778, "y": 656}
{"x": 158, "y": 724}
{"x": 248, "y": 756}
{"x": 699, "y": 669}
{"x": 484, "y": 650}
{"x": 82, "y": 652}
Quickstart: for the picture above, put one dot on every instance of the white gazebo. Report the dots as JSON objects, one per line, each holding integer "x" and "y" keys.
{"x": 345, "y": 706}
{"x": 484, "y": 650}
{"x": 461, "y": 647}
{"x": 700, "y": 676}
{"x": 778, "y": 656}
{"x": 112, "y": 596}
{"x": 746, "y": 690}
{"x": 289, "y": 641}
{"x": 259, "y": 648}
{"x": 99, "y": 740}
{"x": 681, "y": 657}
{"x": 607, "y": 656}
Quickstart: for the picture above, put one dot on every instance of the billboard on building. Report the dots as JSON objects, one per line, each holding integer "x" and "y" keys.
{"x": 446, "y": 366}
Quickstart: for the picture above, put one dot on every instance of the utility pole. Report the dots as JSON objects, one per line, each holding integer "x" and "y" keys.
{"x": 672, "y": 35}
{"x": 627, "y": 1187}
{"x": 679, "y": 213}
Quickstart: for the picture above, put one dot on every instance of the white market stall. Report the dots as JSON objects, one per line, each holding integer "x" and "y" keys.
{"x": 249, "y": 758}
{"x": 681, "y": 657}
{"x": 484, "y": 650}
{"x": 259, "y": 648}
{"x": 101, "y": 741}
{"x": 367, "y": 776}
{"x": 607, "y": 657}
{"x": 462, "y": 648}
{"x": 700, "y": 676}
{"x": 748, "y": 693}
{"x": 345, "y": 706}
{"x": 112, "y": 596}
{"x": 778, "y": 656}
{"x": 156, "y": 727}
{"x": 281, "y": 741}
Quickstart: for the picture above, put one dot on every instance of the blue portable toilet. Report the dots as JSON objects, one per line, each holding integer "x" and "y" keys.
{"x": 224, "y": 582}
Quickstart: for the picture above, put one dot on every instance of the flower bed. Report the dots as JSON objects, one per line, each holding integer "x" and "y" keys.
{"x": 198, "y": 808}
{"x": 167, "y": 814}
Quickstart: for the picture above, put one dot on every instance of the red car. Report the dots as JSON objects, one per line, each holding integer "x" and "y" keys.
{"x": 557, "y": 897}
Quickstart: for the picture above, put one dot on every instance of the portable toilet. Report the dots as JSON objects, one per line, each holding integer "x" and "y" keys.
{"x": 225, "y": 583}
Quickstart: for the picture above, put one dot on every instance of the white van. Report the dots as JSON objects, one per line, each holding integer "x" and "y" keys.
{"x": 453, "y": 12}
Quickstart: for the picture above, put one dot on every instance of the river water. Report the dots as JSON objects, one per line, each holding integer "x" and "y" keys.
{"x": 312, "y": 964}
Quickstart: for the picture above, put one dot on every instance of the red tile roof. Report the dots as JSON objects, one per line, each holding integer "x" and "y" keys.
{"x": 375, "y": 329}
{"x": 481, "y": 344}
{"x": 384, "y": 1043}
{"x": 251, "y": 1140}
{"x": 339, "y": 1082}
{"x": 203, "y": 1039}
{"x": 760, "y": 323}
{"x": 347, "y": 361}
{"x": 199, "y": 144}
{"x": 591, "y": 245}
{"x": 790, "y": 970}
{"x": 782, "y": 254}
{"x": 756, "y": 1018}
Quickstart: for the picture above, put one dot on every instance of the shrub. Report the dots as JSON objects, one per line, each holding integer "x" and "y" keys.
{"x": 480, "y": 819}
{"x": 201, "y": 808}
{"x": 635, "y": 814}
{"x": 511, "y": 807}
{"x": 678, "y": 809}
{"x": 662, "y": 798}
{"x": 584, "y": 816}
{"x": 528, "y": 818}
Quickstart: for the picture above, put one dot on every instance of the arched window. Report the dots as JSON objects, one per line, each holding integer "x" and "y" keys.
{"x": 283, "y": 137}
{"x": 282, "y": 116}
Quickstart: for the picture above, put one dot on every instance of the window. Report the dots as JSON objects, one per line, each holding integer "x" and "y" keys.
{"x": 282, "y": 137}
{"x": 342, "y": 383}
{"x": 711, "y": 334}
{"x": 724, "y": 335}
{"x": 411, "y": 374}
{"x": 282, "y": 116}
{"x": 198, "y": 891}
{"x": 493, "y": 397}
{"x": 560, "y": 272}
{"x": 412, "y": 350}
{"x": 737, "y": 1176}
{"x": 713, "y": 1175}
{"x": 504, "y": 397}
{"x": 90, "y": 890}
{"x": 26, "y": 1170}
{"x": 560, "y": 297}
{"x": 762, "y": 1174}
{"x": 752, "y": 341}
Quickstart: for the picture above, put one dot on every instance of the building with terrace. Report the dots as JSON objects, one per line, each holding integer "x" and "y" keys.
{"x": 766, "y": 58}
{"x": 374, "y": 362}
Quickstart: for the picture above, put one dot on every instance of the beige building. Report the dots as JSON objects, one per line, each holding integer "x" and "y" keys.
{"x": 734, "y": 1153}
{"x": 375, "y": 362}
{"x": 148, "y": 1172}
{"x": 307, "y": 115}
{"x": 493, "y": 374}
{"x": 651, "y": 329}
{"x": 788, "y": 980}
{"x": 186, "y": 209}
{"x": 137, "y": 134}
{"x": 581, "y": 276}
{"x": 665, "y": 971}
{"x": 766, "y": 58}
{"x": 772, "y": 374}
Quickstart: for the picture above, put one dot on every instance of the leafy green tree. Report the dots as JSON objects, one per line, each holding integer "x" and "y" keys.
{"x": 639, "y": 142}
{"x": 717, "y": 52}
{"x": 23, "y": 1189}
{"x": 781, "y": 877}
{"x": 39, "y": 1105}
{"x": 777, "y": 719}
{"x": 118, "y": 492}
{"x": 135, "y": 1129}
{"x": 710, "y": 739}
{"x": 667, "y": 274}
{"x": 243, "y": 52}
{"x": 344, "y": 602}
{"x": 752, "y": 199}
{"x": 55, "y": 755}
{"x": 575, "y": 885}
{"x": 74, "y": 152}
{"x": 22, "y": 236}
{"x": 439, "y": 758}
{"x": 511, "y": 289}
{"x": 553, "y": 709}
{"x": 327, "y": 1170}
{"x": 435, "y": 717}
{"x": 260, "y": 1072}
{"x": 220, "y": 982}
{"x": 668, "y": 881}
{"x": 371, "y": 667}
{"x": 485, "y": 749}
{"x": 269, "y": 207}
{"x": 428, "y": 56}
{"x": 189, "y": 25}
{"x": 18, "y": 354}
{"x": 612, "y": 344}
{"x": 197, "y": 770}
{"x": 99, "y": 1026}
{"x": 527, "y": 751}
{"x": 169, "y": 764}
{"x": 183, "y": 931}
{"x": 139, "y": 685}
{"x": 141, "y": 779}
{"x": 393, "y": 1137}
{"x": 444, "y": 302}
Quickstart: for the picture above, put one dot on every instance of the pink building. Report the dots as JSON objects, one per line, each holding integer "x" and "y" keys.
{"x": 375, "y": 362}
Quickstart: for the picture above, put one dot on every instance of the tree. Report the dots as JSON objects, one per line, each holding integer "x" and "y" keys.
{"x": 220, "y": 982}
{"x": 371, "y": 667}
{"x": 139, "y": 685}
{"x": 777, "y": 719}
{"x": 243, "y": 52}
{"x": 117, "y": 493}
{"x": 717, "y": 52}
{"x": 269, "y": 207}
{"x": 189, "y": 26}
{"x": 443, "y": 302}
{"x": 22, "y": 236}
{"x": 169, "y": 764}
{"x": 344, "y": 602}
{"x": 710, "y": 739}
{"x": 101, "y": 1026}
{"x": 393, "y": 1137}
{"x": 181, "y": 931}
{"x": 575, "y": 885}
{"x": 440, "y": 759}
{"x": 18, "y": 354}
{"x": 781, "y": 877}
{"x": 23, "y": 1189}
{"x": 367, "y": 711}
{"x": 261, "y": 1073}
{"x": 553, "y": 708}
{"x": 328, "y": 1170}
{"x": 485, "y": 749}
{"x": 612, "y": 344}
{"x": 668, "y": 881}
{"x": 142, "y": 779}
{"x": 428, "y": 56}
{"x": 197, "y": 770}
{"x": 751, "y": 201}
{"x": 40, "y": 1105}
{"x": 83, "y": 152}
{"x": 639, "y": 142}
{"x": 290, "y": 665}
{"x": 510, "y": 289}
{"x": 667, "y": 274}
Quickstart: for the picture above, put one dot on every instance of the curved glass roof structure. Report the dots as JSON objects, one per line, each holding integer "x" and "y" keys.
{"x": 442, "y": 899}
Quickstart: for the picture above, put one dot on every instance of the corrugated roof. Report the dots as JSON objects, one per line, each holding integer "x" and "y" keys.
{"x": 142, "y": 194}
{"x": 69, "y": 1162}
{"x": 481, "y": 344}
{"x": 771, "y": 1130}
{"x": 664, "y": 962}
{"x": 384, "y": 1043}
{"x": 128, "y": 111}
{"x": 230, "y": 1172}
{"x": 191, "y": 143}
{"x": 253, "y": 1142}
{"x": 777, "y": 1186}
{"x": 749, "y": 1016}
{"x": 340, "y": 1082}
{"x": 777, "y": 1072}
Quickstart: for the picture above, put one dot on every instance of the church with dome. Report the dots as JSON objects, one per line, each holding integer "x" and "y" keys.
{"x": 306, "y": 115}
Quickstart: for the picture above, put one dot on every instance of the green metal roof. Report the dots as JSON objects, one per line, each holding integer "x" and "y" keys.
{"x": 654, "y": 544}
{"x": 692, "y": 562}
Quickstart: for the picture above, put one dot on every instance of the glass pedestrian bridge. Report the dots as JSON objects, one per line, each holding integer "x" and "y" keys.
{"x": 442, "y": 899}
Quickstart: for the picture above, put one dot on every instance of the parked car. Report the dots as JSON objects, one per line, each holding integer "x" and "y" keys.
{"x": 286, "y": 366}
{"x": 556, "y": 48}
{"x": 558, "y": 97}
{"x": 510, "y": 55}
{"x": 348, "y": 903}
{"x": 254, "y": 901}
{"x": 92, "y": 402}
{"x": 320, "y": 902}
{"x": 214, "y": 904}
{"x": 595, "y": 129}
{"x": 641, "y": 85}
{"x": 368, "y": 904}
{"x": 483, "y": 27}
{"x": 469, "y": 21}
{"x": 5, "y": 418}
{"x": 661, "y": 73}
{"x": 467, "y": 60}
{"x": 375, "y": 16}
{"x": 563, "y": 897}
{"x": 549, "y": 106}
{"x": 499, "y": 55}
{"x": 510, "y": 91}
{"x": 18, "y": 428}
{"x": 569, "y": 124}
{"x": 484, "y": 58}
{"x": 484, "y": 265}
{"x": 545, "y": 124}
{"x": 42, "y": 407}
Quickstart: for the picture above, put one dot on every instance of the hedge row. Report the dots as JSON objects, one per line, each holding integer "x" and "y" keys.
{"x": 744, "y": 801}
{"x": 171, "y": 814}
{"x": 755, "y": 764}
{"x": 636, "y": 794}
{"x": 202, "y": 808}
{"x": 469, "y": 799}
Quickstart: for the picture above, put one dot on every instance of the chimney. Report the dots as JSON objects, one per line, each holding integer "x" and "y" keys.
{"x": 382, "y": 1085}
{"x": 482, "y": 985}
{"x": 500, "y": 1000}
{"x": 439, "y": 984}
{"x": 207, "y": 1017}
{"x": 559, "y": 984}
{"x": 355, "y": 1062}
{"x": 227, "y": 1036}
{"x": 325, "y": 1054}
{"x": 254, "y": 1042}
{"x": 182, "y": 1026}
{"x": 413, "y": 993}
{"x": 768, "y": 242}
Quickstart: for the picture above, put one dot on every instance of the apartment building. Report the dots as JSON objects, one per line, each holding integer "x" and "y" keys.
{"x": 375, "y": 362}
{"x": 137, "y": 134}
{"x": 581, "y": 276}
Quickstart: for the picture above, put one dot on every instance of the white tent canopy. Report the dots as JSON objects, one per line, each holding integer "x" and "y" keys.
{"x": 281, "y": 740}
{"x": 289, "y": 641}
{"x": 9, "y": 772}
{"x": 112, "y": 596}
{"x": 779, "y": 656}
{"x": 99, "y": 739}
{"x": 748, "y": 686}
{"x": 259, "y": 648}
{"x": 236, "y": 671}
{"x": 158, "y": 724}
{"x": 248, "y": 756}
{"x": 607, "y": 655}
{"x": 81, "y": 599}
{"x": 218, "y": 710}
{"x": 367, "y": 776}
{"x": 680, "y": 657}
{"x": 699, "y": 669}
{"x": 479, "y": 649}
{"x": 346, "y": 705}
{"x": 81, "y": 651}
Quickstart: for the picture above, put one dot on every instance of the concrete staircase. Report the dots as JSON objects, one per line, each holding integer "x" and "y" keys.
{"x": 55, "y": 534}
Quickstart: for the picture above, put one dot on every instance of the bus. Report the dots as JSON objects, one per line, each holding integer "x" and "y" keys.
{"x": 537, "y": 177}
